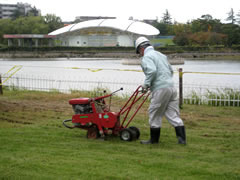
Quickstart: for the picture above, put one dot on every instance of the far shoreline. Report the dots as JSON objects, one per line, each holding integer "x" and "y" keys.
{"x": 177, "y": 57}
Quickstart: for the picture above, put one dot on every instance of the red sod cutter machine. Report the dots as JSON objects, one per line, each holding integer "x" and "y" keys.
{"x": 95, "y": 116}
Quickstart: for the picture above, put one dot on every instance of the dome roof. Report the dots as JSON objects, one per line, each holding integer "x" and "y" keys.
{"x": 135, "y": 27}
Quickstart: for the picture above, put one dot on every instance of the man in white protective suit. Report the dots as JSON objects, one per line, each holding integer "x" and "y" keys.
{"x": 164, "y": 102}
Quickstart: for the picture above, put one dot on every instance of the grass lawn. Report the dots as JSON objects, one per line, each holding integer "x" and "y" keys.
{"x": 35, "y": 145}
{"x": 163, "y": 41}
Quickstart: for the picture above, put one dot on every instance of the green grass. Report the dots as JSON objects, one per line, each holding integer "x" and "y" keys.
{"x": 35, "y": 145}
{"x": 163, "y": 41}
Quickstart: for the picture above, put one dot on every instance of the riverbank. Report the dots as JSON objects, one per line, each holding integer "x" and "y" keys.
{"x": 118, "y": 55}
{"x": 128, "y": 58}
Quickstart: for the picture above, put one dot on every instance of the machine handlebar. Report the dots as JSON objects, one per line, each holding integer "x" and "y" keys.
{"x": 108, "y": 95}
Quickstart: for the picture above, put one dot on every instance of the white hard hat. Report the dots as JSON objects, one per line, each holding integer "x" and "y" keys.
{"x": 140, "y": 41}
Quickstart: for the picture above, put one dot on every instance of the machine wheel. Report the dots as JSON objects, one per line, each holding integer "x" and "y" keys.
{"x": 127, "y": 134}
{"x": 92, "y": 132}
{"x": 136, "y": 130}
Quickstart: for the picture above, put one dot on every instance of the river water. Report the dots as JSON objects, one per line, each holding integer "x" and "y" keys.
{"x": 109, "y": 71}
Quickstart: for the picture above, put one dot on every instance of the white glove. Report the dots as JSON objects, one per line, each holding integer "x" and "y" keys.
{"x": 144, "y": 88}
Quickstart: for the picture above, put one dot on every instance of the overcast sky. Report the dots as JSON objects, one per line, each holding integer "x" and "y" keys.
{"x": 180, "y": 10}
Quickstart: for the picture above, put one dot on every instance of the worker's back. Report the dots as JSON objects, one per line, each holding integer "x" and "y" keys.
{"x": 157, "y": 69}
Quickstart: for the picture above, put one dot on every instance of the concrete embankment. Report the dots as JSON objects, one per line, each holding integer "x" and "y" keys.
{"x": 129, "y": 58}
{"x": 66, "y": 54}
{"x": 174, "y": 58}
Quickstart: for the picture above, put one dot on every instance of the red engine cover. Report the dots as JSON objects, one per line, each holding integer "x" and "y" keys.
{"x": 83, "y": 119}
{"x": 79, "y": 101}
{"x": 106, "y": 120}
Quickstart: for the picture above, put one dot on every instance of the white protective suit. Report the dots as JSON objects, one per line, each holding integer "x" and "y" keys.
{"x": 159, "y": 78}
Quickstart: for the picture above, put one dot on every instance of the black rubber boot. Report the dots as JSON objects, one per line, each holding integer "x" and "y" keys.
{"x": 181, "y": 135}
{"x": 155, "y": 134}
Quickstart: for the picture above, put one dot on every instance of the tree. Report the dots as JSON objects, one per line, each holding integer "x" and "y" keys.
{"x": 181, "y": 28}
{"x": 166, "y": 19}
{"x": 54, "y": 22}
{"x": 181, "y": 39}
{"x": 207, "y": 17}
{"x": 233, "y": 33}
{"x": 162, "y": 27}
{"x": 165, "y": 26}
{"x": 6, "y": 27}
{"x": 238, "y": 17}
{"x": 231, "y": 16}
{"x": 200, "y": 38}
{"x": 30, "y": 25}
{"x": 19, "y": 12}
{"x": 22, "y": 25}
{"x": 216, "y": 39}
{"x": 206, "y": 24}
{"x": 33, "y": 12}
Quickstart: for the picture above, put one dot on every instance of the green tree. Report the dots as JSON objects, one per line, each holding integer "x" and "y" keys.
{"x": 181, "y": 39}
{"x": 207, "y": 17}
{"x": 6, "y": 27}
{"x": 200, "y": 38}
{"x": 163, "y": 28}
{"x": 54, "y": 22}
{"x": 166, "y": 19}
{"x": 238, "y": 17}
{"x": 181, "y": 28}
{"x": 206, "y": 24}
{"x": 33, "y": 12}
{"x": 231, "y": 16}
{"x": 216, "y": 39}
{"x": 19, "y": 12}
{"x": 233, "y": 34}
{"x": 22, "y": 25}
{"x": 30, "y": 25}
{"x": 207, "y": 38}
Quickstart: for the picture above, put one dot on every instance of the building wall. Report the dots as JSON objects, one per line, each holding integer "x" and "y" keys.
{"x": 77, "y": 40}
{"x": 97, "y": 40}
{"x": 125, "y": 40}
{"x": 7, "y": 10}
{"x": 64, "y": 41}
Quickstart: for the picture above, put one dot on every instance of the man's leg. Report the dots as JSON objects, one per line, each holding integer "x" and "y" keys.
{"x": 156, "y": 111}
{"x": 173, "y": 116}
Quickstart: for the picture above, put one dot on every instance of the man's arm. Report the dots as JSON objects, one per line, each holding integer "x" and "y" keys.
{"x": 149, "y": 70}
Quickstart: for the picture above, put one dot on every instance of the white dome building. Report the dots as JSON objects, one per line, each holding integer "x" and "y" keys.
{"x": 104, "y": 32}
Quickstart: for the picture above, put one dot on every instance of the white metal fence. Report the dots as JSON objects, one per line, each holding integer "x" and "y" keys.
{"x": 192, "y": 93}
{"x": 211, "y": 95}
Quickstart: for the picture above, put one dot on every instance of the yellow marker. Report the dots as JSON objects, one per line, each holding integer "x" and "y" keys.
{"x": 16, "y": 68}
{"x": 95, "y": 70}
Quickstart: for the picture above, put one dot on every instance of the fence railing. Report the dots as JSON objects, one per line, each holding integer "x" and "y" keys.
{"x": 189, "y": 93}
{"x": 209, "y": 94}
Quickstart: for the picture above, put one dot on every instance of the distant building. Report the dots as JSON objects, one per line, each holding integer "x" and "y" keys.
{"x": 28, "y": 40}
{"x": 104, "y": 32}
{"x": 150, "y": 21}
{"x": 8, "y": 10}
{"x": 87, "y": 18}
